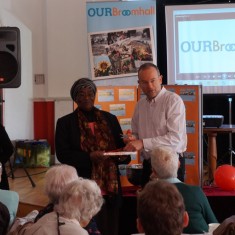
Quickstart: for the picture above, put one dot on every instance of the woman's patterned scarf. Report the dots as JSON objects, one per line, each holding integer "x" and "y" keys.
{"x": 104, "y": 172}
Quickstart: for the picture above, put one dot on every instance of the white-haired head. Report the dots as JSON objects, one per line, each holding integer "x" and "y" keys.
{"x": 80, "y": 200}
{"x": 165, "y": 162}
{"x": 56, "y": 178}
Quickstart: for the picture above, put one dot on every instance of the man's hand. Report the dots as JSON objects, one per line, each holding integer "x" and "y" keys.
{"x": 128, "y": 138}
{"x": 134, "y": 145}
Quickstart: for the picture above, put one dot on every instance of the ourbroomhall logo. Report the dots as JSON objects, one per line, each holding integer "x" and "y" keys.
{"x": 114, "y": 11}
{"x": 206, "y": 46}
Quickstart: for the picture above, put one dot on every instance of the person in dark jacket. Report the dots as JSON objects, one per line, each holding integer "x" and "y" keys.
{"x": 81, "y": 139}
{"x": 6, "y": 150}
{"x": 165, "y": 165}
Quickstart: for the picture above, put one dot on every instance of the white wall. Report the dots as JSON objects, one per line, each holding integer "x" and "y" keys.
{"x": 18, "y": 101}
{"x": 67, "y": 49}
{"x": 32, "y": 13}
{"x": 58, "y": 49}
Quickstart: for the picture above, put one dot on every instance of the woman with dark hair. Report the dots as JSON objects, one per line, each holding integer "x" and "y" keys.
{"x": 82, "y": 137}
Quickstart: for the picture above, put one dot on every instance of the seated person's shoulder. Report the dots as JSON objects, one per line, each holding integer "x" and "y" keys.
{"x": 188, "y": 187}
{"x": 14, "y": 196}
{"x": 9, "y": 195}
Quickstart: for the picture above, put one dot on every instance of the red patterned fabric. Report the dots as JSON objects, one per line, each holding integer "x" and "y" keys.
{"x": 105, "y": 172}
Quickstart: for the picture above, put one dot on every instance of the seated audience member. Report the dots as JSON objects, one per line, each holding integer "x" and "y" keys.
{"x": 165, "y": 164}
{"x": 56, "y": 178}
{"x": 55, "y": 182}
{"x": 160, "y": 209}
{"x": 79, "y": 201}
{"x": 4, "y": 219}
{"x": 10, "y": 199}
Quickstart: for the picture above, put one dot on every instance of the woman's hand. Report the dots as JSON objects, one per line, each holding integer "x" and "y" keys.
{"x": 97, "y": 156}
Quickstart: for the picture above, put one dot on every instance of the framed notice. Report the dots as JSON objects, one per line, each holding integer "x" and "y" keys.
{"x": 118, "y": 53}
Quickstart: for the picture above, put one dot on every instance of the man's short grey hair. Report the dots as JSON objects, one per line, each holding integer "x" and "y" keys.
{"x": 80, "y": 200}
{"x": 165, "y": 162}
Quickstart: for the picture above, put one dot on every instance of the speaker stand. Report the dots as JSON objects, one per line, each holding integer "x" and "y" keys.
{"x": 18, "y": 161}
{"x": 1, "y": 106}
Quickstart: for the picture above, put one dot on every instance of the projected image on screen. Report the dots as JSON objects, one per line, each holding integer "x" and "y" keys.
{"x": 201, "y": 46}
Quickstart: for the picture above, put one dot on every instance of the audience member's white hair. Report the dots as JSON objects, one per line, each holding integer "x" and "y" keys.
{"x": 80, "y": 200}
{"x": 56, "y": 178}
{"x": 165, "y": 162}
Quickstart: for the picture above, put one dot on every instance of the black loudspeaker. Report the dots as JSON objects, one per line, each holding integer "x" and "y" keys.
{"x": 10, "y": 57}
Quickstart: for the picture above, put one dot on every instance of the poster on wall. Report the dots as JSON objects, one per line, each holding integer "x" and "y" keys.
{"x": 120, "y": 52}
{"x": 121, "y": 37}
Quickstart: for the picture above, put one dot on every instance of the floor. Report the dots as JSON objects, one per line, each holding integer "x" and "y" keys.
{"x": 30, "y": 197}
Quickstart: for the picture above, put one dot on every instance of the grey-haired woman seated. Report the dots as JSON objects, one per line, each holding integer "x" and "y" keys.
{"x": 79, "y": 202}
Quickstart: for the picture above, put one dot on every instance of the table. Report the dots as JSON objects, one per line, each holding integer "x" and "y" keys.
{"x": 212, "y": 133}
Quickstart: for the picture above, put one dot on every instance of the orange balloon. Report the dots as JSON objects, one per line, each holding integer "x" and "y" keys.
{"x": 225, "y": 177}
